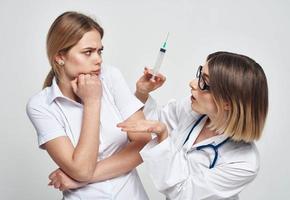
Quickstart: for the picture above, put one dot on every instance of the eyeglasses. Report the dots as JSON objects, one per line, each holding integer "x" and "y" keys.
{"x": 201, "y": 82}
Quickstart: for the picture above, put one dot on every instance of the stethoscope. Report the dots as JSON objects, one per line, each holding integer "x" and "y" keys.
{"x": 214, "y": 147}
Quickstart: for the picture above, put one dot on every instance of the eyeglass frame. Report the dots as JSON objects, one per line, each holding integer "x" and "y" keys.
{"x": 205, "y": 86}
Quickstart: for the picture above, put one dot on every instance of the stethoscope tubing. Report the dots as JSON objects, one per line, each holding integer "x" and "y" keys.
{"x": 214, "y": 147}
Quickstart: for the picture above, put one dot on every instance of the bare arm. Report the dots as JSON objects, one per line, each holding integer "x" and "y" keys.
{"x": 111, "y": 167}
{"x": 129, "y": 157}
{"x": 80, "y": 162}
{"x": 125, "y": 160}
{"x": 119, "y": 164}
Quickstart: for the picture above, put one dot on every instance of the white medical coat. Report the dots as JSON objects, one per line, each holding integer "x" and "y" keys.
{"x": 54, "y": 115}
{"x": 182, "y": 172}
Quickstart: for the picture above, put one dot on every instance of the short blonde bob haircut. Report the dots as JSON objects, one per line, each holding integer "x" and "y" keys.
{"x": 64, "y": 33}
{"x": 240, "y": 82}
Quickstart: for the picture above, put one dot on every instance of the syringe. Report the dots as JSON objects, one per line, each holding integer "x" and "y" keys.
{"x": 159, "y": 58}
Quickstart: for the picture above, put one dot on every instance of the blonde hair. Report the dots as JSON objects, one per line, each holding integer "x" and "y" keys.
{"x": 64, "y": 33}
{"x": 241, "y": 83}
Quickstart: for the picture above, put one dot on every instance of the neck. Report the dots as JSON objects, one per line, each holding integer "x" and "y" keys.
{"x": 66, "y": 89}
{"x": 205, "y": 133}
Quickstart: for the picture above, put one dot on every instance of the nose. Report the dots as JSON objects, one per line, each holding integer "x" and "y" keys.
{"x": 98, "y": 59}
{"x": 193, "y": 84}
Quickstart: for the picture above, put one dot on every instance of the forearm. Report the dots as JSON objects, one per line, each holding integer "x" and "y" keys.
{"x": 119, "y": 163}
{"x": 86, "y": 152}
{"x": 114, "y": 166}
{"x": 125, "y": 160}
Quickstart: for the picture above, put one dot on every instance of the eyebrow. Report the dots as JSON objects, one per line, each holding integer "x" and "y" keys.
{"x": 91, "y": 48}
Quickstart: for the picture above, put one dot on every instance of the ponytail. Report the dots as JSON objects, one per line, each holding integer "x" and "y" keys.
{"x": 48, "y": 79}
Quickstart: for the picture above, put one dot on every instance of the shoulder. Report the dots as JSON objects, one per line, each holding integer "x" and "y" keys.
{"x": 247, "y": 155}
{"x": 38, "y": 101}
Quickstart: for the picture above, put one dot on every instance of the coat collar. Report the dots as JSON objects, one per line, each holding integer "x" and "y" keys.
{"x": 212, "y": 140}
{"x": 54, "y": 93}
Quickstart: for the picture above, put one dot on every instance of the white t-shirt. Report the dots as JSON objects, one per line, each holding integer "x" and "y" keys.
{"x": 54, "y": 115}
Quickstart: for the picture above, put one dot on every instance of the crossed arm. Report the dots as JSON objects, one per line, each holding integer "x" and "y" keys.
{"x": 77, "y": 162}
{"x": 116, "y": 165}
{"x": 113, "y": 166}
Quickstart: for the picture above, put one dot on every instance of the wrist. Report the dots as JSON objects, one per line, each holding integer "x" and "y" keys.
{"x": 162, "y": 136}
{"x": 142, "y": 96}
{"x": 96, "y": 103}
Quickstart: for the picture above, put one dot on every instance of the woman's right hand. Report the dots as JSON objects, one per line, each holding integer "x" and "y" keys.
{"x": 145, "y": 126}
{"x": 88, "y": 88}
{"x": 63, "y": 182}
{"x": 146, "y": 84}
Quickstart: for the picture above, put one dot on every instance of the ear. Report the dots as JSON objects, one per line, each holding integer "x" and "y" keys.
{"x": 59, "y": 58}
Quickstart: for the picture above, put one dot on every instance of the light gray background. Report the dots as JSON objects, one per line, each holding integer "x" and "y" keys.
{"x": 134, "y": 31}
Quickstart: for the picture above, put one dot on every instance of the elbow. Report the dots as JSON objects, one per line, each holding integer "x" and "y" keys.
{"x": 83, "y": 175}
{"x": 83, "y": 169}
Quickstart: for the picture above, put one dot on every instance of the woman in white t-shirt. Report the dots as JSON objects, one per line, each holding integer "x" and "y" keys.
{"x": 76, "y": 113}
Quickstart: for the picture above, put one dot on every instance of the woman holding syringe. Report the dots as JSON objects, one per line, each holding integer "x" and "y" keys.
{"x": 204, "y": 147}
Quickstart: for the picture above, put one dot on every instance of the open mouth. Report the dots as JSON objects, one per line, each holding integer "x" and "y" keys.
{"x": 192, "y": 98}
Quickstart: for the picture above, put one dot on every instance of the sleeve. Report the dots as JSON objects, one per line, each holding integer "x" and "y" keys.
{"x": 45, "y": 124}
{"x": 178, "y": 178}
{"x": 124, "y": 99}
{"x": 171, "y": 113}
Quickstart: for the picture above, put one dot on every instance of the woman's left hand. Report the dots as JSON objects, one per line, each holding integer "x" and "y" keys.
{"x": 146, "y": 126}
{"x": 63, "y": 182}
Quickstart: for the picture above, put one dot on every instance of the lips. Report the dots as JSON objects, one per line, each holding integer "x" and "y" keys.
{"x": 192, "y": 98}
{"x": 97, "y": 72}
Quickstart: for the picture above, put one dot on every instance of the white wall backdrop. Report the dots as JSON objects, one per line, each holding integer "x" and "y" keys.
{"x": 134, "y": 31}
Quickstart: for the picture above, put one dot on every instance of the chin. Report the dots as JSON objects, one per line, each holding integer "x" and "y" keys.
{"x": 193, "y": 108}
{"x": 196, "y": 110}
